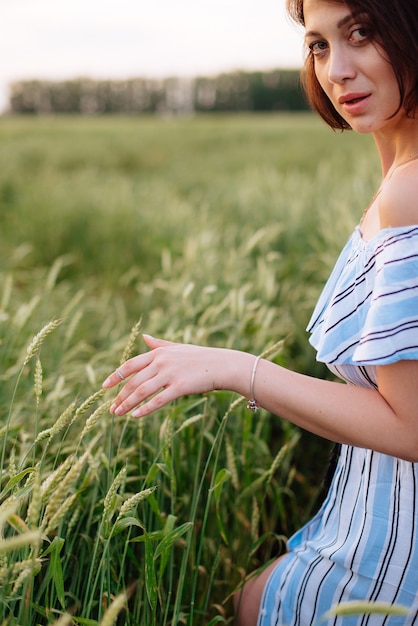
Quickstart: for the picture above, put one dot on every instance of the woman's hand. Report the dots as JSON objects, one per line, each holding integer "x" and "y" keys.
{"x": 382, "y": 420}
{"x": 168, "y": 371}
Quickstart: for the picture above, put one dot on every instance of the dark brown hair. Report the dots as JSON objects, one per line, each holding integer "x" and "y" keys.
{"x": 394, "y": 27}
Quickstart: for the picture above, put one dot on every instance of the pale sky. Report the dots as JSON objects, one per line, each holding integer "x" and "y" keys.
{"x": 58, "y": 39}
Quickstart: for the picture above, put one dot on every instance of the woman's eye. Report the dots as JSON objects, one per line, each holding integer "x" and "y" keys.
{"x": 360, "y": 34}
{"x": 317, "y": 47}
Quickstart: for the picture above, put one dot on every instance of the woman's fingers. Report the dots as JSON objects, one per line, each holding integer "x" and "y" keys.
{"x": 138, "y": 389}
{"x": 122, "y": 373}
{"x": 135, "y": 364}
{"x": 153, "y": 343}
{"x": 164, "y": 373}
{"x": 141, "y": 380}
{"x": 160, "y": 399}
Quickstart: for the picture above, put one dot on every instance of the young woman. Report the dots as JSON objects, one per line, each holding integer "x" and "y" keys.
{"x": 361, "y": 72}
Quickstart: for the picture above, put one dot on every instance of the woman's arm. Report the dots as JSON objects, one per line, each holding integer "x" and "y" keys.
{"x": 384, "y": 420}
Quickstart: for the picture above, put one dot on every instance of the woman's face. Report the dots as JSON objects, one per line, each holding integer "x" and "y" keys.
{"x": 353, "y": 70}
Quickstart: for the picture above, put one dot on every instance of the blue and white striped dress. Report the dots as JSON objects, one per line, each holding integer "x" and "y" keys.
{"x": 363, "y": 543}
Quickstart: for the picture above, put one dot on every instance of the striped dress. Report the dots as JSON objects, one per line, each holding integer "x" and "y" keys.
{"x": 363, "y": 542}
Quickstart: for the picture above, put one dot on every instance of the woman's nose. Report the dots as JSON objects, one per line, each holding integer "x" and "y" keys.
{"x": 340, "y": 66}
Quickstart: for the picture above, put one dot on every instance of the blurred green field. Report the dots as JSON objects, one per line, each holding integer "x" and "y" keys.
{"x": 218, "y": 230}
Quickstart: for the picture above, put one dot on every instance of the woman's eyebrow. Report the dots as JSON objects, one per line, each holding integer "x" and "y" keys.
{"x": 340, "y": 24}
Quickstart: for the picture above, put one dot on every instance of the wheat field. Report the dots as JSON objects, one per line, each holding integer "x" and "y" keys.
{"x": 214, "y": 230}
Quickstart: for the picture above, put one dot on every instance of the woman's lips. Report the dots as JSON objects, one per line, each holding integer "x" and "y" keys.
{"x": 353, "y": 104}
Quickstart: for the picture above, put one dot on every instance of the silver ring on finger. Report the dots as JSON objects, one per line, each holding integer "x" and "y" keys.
{"x": 119, "y": 373}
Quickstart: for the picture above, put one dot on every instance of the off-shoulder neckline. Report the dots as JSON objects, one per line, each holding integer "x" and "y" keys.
{"x": 384, "y": 232}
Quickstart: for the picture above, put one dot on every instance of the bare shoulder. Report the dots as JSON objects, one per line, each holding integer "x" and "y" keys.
{"x": 398, "y": 203}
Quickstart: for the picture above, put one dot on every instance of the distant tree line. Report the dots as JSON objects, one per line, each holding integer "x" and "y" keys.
{"x": 276, "y": 90}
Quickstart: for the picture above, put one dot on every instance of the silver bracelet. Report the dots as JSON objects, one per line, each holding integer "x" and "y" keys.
{"x": 252, "y": 402}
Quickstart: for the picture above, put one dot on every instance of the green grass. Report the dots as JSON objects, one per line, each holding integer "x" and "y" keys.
{"x": 216, "y": 230}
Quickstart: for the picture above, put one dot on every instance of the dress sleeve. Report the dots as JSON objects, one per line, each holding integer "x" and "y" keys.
{"x": 390, "y": 329}
{"x": 367, "y": 313}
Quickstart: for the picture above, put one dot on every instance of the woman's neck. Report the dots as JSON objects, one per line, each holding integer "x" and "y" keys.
{"x": 398, "y": 147}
